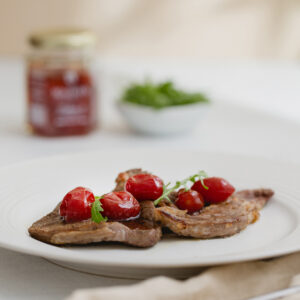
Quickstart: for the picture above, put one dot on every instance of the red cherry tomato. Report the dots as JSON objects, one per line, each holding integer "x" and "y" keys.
{"x": 189, "y": 200}
{"x": 120, "y": 206}
{"x": 76, "y": 205}
{"x": 145, "y": 186}
{"x": 218, "y": 191}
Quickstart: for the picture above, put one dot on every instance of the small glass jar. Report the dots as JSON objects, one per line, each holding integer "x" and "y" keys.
{"x": 61, "y": 93}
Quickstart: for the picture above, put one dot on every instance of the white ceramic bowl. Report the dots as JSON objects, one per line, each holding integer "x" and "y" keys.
{"x": 170, "y": 120}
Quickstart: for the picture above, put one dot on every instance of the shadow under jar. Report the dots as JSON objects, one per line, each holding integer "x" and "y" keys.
{"x": 61, "y": 94}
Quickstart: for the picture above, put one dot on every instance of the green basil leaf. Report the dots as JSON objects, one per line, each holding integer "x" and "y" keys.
{"x": 95, "y": 211}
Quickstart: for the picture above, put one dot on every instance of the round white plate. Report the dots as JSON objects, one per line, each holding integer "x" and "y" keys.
{"x": 30, "y": 190}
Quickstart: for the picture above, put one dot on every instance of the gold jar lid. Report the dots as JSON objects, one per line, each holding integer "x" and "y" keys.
{"x": 63, "y": 39}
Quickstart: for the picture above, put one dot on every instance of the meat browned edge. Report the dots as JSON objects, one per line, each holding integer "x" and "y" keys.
{"x": 54, "y": 230}
{"x": 217, "y": 220}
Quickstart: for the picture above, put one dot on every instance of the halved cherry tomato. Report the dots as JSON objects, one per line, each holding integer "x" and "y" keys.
{"x": 145, "y": 186}
{"x": 189, "y": 200}
{"x": 218, "y": 191}
{"x": 76, "y": 205}
{"x": 120, "y": 206}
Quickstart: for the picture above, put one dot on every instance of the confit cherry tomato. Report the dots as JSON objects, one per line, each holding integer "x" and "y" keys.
{"x": 189, "y": 200}
{"x": 218, "y": 191}
{"x": 120, "y": 206}
{"x": 145, "y": 186}
{"x": 76, "y": 205}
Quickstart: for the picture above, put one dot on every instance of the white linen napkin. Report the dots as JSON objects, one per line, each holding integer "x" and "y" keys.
{"x": 295, "y": 282}
{"x": 234, "y": 282}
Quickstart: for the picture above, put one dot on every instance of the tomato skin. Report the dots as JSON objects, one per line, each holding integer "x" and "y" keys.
{"x": 145, "y": 186}
{"x": 76, "y": 204}
{"x": 190, "y": 200}
{"x": 120, "y": 206}
{"x": 218, "y": 191}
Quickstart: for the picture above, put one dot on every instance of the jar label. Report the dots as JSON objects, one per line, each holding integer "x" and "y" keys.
{"x": 61, "y": 100}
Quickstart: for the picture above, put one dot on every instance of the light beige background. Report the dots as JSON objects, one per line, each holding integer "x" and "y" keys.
{"x": 184, "y": 28}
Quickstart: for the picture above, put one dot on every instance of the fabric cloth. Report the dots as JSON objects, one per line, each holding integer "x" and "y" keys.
{"x": 295, "y": 282}
{"x": 235, "y": 282}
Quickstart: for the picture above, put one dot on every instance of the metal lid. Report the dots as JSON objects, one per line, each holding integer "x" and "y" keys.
{"x": 67, "y": 38}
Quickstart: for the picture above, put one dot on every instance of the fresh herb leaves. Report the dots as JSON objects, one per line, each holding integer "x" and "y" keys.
{"x": 160, "y": 95}
{"x": 96, "y": 211}
{"x": 183, "y": 183}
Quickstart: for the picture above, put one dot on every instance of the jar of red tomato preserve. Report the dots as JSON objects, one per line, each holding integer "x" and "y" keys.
{"x": 60, "y": 86}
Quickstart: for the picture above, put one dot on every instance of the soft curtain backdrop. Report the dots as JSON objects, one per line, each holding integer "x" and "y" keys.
{"x": 178, "y": 28}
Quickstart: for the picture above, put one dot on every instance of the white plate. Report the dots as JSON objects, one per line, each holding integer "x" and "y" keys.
{"x": 30, "y": 190}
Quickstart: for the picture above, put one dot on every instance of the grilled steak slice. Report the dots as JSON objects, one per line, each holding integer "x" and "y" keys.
{"x": 140, "y": 232}
{"x": 217, "y": 220}
{"x": 52, "y": 229}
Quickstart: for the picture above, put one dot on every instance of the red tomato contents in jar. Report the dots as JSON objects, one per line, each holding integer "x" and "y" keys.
{"x": 60, "y": 87}
{"x": 60, "y": 102}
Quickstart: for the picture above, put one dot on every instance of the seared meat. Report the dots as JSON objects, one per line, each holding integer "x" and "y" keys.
{"x": 257, "y": 197}
{"x": 52, "y": 229}
{"x": 221, "y": 220}
{"x": 217, "y": 220}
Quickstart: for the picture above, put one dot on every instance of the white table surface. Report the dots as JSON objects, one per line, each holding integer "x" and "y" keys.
{"x": 256, "y": 111}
